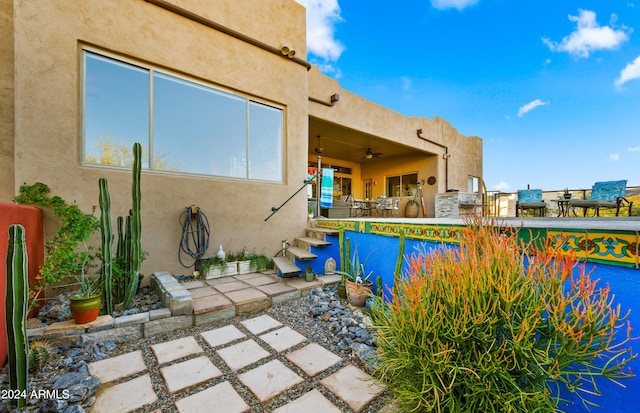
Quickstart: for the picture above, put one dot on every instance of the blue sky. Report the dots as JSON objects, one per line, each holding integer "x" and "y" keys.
{"x": 551, "y": 86}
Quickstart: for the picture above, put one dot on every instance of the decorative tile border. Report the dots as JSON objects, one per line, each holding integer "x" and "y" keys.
{"x": 613, "y": 247}
{"x": 609, "y": 247}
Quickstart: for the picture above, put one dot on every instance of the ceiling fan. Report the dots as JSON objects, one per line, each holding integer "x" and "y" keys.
{"x": 319, "y": 149}
{"x": 369, "y": 154}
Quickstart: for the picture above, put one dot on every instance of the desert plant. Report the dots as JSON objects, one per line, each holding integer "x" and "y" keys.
{"x": 39, "y": 354}
{"x": 63, "y": 250}
{"x": 355, "y": 269}
{"x": 107, "y": 240}
{"x": 16, "y": 300}
{"x": 89, "y": 286}
{"x": 497, "y": 326}
{"x": 125, "y": 268}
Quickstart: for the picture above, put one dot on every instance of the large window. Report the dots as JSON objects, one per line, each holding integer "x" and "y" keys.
{"x": 183, "y": 126}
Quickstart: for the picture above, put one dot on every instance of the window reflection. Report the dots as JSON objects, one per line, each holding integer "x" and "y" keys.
{"x": 195, "y": 128}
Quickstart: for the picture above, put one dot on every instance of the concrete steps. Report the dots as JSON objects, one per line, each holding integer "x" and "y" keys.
{"x": 302, "y": 250}
{"x": 285, "y": 267}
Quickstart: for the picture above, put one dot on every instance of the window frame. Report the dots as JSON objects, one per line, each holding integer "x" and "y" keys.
{"x": 151, "y": 72}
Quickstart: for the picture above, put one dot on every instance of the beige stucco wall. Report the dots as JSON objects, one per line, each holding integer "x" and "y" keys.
{"x": 6, "y": 100}
{"x": 48, "y": 40}
{"x": 357, "y": 113}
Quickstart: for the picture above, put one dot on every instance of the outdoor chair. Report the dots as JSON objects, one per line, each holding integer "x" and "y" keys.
{"x": 609, "y": 194}
{"x": 391, "y": 206}
{"x": 380, "y": 205}
{"x": 530, "y": 199}
{"x": 359, "y": 208}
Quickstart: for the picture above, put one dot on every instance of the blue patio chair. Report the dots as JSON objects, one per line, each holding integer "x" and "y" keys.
{"x": 530, "y": 199}
{"x": 609, "y": 194}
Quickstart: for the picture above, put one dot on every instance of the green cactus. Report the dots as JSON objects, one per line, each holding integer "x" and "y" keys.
{"x": 39, "y": 354}
{"x": 16, "y": 311}
{"x": 107, "y": 240}
{"x": 398, "y": 271}
{"x": 128, "y": 253}
{"x": 135, "y": 228}
{"x": 379, "y": 286}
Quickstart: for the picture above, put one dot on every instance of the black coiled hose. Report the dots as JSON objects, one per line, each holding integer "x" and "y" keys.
{"x": 194, "y": 240}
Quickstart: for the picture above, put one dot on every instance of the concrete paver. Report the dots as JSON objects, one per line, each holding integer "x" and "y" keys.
{"x": 313, "y": 359}
{"x": 261, "y": 280}
{"x": 353, "y": 386}
{"x": 242, "y": 354}
{"x": 115, "y": 368}
{"x": 312, "y": 402}
{"x": 220, "y": 398}
{"x": 202, "y": 292}
{"x": 261, "y": 324}
{"x": 282, "y": 339}
{"x": 189, "y": 373}
{"x": 175, "y": 349}
{"x": 231, "y": 286}
{"x": 210, "y": 303}
{"x": 222, "y": 335}
{"x": 269, "y": 380}
{"x": 125, "y": 397}
{"x": 276, "y": 289}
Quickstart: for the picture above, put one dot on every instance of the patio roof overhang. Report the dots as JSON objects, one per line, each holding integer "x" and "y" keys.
{"x": 340, "y": 142}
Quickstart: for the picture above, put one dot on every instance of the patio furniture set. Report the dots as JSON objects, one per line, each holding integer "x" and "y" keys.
{"x": 604, "y": 195}
{"x": 382, "y": 206}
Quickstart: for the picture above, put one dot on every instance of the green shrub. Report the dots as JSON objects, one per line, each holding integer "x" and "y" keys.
{"x": 494, "y": 327}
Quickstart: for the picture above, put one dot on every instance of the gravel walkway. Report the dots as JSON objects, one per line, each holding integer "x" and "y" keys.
{"x": 321, "y": 317}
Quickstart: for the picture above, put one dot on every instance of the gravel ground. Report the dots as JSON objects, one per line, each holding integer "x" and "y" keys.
{"x": 295, "y": 314}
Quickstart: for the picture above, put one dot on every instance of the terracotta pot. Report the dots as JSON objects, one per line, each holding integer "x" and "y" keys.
{"x": 411, "y": 210}
{"x": 85, "y": 310}
{"x": 358, "y": 293}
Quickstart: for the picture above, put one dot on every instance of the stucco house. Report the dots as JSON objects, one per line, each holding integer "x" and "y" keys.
{"x": 225, "y": 105}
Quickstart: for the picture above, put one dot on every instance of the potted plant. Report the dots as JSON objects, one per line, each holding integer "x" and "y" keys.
{"x": 412, "y": 208}
{"x": 566, "y": 194}
{"x": 85, "y": 304}
{"x": 251, "y": 261}
{"x": 219, "y": 265}
{"x": 356, "y": 280}
{"x": 309, "y": 275}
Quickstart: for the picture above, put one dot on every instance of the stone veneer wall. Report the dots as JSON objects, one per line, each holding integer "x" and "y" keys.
{"x": 454, "y": 204}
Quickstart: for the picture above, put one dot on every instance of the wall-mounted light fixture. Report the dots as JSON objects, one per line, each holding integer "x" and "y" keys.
{"x": 332, "y": 100}
{"x": 287, "y": 51}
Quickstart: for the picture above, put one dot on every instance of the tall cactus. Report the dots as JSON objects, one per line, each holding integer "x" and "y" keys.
{"x": 136, "y": 226}
{"x": 107, "y": 240}
{"x": 398, "y": 271}
{"x": 128, "y": 254}
{"x": 16, "y": 311}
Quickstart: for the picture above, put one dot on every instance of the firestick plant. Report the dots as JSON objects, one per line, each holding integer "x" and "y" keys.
{"x": 497, "y": 325}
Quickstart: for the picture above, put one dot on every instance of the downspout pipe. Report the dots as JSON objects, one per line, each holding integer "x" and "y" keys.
{"x": 445, "y": 156}
{"x": 216, "y": 26}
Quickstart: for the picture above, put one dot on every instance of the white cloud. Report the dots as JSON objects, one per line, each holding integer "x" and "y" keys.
{"x": 634, "y": 149}
{"x": 614, "y": 156}
{"x": 501, "y": 186}
{"x": 589, "y": 36}
{"x": 630, "y": 72}
{"x": 451, "y": 4}
{"x": 322, "y": 16}
{"x": 406, "y": 83}
{"x": 530, "y": 106}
